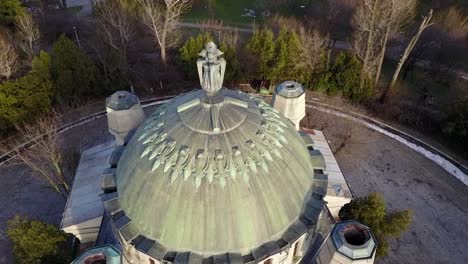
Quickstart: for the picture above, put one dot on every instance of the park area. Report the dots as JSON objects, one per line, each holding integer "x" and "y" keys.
{"x": 370, "y": 162}
{"x": 243, "y": 12}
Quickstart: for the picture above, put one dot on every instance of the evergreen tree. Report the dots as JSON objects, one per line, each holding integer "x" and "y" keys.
{"x": 287, "y": 63}
{"x": 233, "y": 67}
{"x": 9, "y": 9}
{"x": 344, "y": 77}
{"x": 348, "y": 77}
{"x": 73, "y": 73}
{"x": 41, "y": 66}
{"x": 262, "y": 46}
{"x": 37, "y": 242}
{"x": 188, "y": 54}
{"x": 371, "y": 211}
{"x": 28, "y": 96}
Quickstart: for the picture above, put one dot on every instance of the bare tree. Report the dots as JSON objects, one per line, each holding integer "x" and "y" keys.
{"x": 365, "y": 25}
{"x": 395, "y": 14}
{"x": 442, "y": 47}
{"x": 374, "y": 23}
{"x": 28, "y": 32}
{"x": 116, "y": 23}
{"x": 8, "y": 56}
{"x": 161, "y": 17}
{"x": 115, "y": 28}
{"x": 278, "y": 22}
{"x": 426, "y": 22}
{"x": 40, "y": 149}
{"x": 313, "y": 45}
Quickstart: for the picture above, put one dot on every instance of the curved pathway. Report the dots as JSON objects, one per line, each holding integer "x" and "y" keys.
{"x": 444, "y": 160}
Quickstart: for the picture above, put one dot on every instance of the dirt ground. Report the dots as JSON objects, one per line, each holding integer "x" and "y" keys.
{"x": 369, "y": 161}
{"x": 372, "y": 162}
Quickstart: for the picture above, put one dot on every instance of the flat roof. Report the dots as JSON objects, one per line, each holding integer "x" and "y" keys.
{"x": 84, "y": 202}
{"x": 337, "y": 185}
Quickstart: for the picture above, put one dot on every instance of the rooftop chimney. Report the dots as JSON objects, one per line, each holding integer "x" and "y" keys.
{"x": 289, "y": 100}
{"x": 124, "y": 113}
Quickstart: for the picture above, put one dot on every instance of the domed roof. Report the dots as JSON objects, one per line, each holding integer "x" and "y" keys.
{"x": 214, "y": 174}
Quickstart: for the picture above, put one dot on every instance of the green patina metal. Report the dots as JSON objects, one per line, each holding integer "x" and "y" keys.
{"x": 216, "y": 174}
{"x": 215, "y": 171}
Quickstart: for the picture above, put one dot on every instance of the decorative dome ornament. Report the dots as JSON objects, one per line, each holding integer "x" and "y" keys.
{"x": 211, "y": 69}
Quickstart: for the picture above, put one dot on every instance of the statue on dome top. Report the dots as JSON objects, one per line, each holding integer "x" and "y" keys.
{"x": 211, "y": 69}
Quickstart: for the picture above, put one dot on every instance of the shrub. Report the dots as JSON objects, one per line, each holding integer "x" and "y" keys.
{"x": 456, "y": 124}
{"x": 371, "y": 211}
{"x": 28, "y": 96}
{"x": 37, "y": 242}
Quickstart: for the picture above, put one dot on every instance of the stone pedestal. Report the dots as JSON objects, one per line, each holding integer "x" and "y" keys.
{"x": 289, "y": 100}
{"x": 124, "y": 113}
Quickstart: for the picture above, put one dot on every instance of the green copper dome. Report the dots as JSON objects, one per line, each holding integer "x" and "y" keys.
{"x": 217, "y": 174}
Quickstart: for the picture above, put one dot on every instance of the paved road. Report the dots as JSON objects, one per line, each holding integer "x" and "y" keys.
{"x": 372, "y": 162}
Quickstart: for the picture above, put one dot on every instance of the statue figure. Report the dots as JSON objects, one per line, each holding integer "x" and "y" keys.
{"x": 211, "y": 69}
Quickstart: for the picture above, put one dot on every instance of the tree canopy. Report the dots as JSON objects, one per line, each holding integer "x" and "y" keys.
{"x": 73, "y": 73}
{"x": 371, "y": 210}
{"x": 343, "y": 76}
{"x": 24, "y": 98}
{"x": 37, "y": 242}
{"x": 287, "y": 63}
{"x": 262, "y": 46}
{"x": 9, "y": 9}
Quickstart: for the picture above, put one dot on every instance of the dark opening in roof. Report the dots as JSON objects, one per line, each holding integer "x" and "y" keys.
{"x": 356, "y": 235}
{"x": 96, "y": 259}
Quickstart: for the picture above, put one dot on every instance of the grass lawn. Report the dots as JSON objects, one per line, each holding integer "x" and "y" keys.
{"x": 228, "y": 11}
{"x": 231, "y": 11}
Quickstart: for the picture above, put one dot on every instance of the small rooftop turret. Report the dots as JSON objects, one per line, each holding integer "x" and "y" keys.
{"x": 350, "y": 242}
{"x": 124, "y": 113}
{"x": 289, "y": 99}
